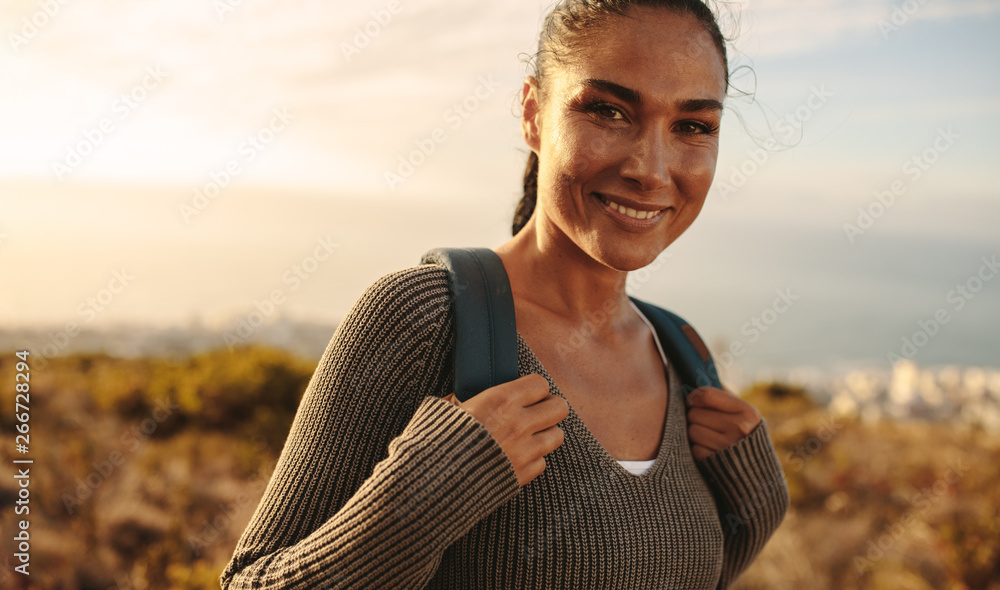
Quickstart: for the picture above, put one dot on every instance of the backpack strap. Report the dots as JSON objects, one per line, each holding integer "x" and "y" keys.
{"x": 486, "y": 334}
{"x": 683, "y": 346}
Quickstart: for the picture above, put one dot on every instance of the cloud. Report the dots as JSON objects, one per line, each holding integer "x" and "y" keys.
{"x": 780, "y": 27}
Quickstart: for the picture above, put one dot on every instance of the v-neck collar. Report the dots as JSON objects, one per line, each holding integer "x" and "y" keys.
{"x": 674, "y": 430}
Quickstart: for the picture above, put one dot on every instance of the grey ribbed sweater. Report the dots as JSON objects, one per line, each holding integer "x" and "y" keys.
{"x": 383, "y": 484}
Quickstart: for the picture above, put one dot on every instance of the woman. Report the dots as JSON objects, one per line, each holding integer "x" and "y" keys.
{"x": 588, "y": 471}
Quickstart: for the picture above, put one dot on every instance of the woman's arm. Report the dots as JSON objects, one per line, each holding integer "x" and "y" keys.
{"x": 731, "y": 446}
{"x": 378, "y": 475}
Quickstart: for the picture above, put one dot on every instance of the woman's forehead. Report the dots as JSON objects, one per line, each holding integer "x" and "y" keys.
{"x": 655, "y": 52}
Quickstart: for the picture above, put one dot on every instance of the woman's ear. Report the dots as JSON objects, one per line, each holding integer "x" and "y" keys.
{"x": 530, "y": 113}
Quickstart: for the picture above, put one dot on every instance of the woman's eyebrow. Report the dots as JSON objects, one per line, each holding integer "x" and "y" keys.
{"x": 629, "y": 95}
{"x": 693, "y": 105}
{"x": 623, "y": 93}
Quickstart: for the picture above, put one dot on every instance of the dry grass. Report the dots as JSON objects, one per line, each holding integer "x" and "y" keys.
{"x": 114, "y": 507}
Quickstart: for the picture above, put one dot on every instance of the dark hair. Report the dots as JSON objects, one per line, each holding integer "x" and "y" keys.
{"x": 571, "y": 20}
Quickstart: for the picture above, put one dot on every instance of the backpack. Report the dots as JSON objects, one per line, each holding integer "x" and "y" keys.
{"x": 486, "y": 336}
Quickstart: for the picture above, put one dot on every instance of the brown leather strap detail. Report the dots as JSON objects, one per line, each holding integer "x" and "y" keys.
{"x": 698, "y": 343}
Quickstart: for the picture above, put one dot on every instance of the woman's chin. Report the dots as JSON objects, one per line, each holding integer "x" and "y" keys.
{"x": 626, "y": 259}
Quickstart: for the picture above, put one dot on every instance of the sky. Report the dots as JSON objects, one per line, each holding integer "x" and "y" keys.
{"x": 169, "y": 163}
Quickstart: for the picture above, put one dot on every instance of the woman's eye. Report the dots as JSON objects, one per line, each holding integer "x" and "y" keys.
{"x": 696, "y": 128}
{"x": 609, "y": 112}
{"x": 606, "y": 111}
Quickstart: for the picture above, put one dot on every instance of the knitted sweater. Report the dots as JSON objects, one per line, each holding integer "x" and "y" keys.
{"x": 383, "y": 484}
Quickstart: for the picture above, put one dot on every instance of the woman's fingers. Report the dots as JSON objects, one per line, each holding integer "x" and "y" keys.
{"x": 718, "y": 419}
{"x": 522, "y": 416}
{"x": 708, "y": 418}
{"x": 715, "y": 399}
{"x": 710, "y": 439}
{"x": 549, "y": 439}
{"x": 700, "y": 452}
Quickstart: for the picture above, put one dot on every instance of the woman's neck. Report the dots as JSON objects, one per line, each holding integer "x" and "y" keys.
{"x": 552, "y": 274}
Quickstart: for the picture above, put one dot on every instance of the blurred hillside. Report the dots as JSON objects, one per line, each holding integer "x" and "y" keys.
{"x": 879, "y": 505}
{"x": 147, "y": 470}
{"x": 301, "y": 338}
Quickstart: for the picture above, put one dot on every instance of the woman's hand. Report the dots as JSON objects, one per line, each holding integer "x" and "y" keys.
{"x": 522, "y": 416}
{"x": 717, "y": 419}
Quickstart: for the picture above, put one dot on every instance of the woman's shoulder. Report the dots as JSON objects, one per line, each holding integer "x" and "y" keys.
{"x": 406, "y": 283}
{"x": 410, "y": 295}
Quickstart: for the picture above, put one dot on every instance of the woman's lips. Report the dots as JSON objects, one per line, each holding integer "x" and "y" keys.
{"x": 632, "y": 217}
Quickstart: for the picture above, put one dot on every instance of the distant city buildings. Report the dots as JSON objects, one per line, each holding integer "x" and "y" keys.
{"x": 969, "y": 395}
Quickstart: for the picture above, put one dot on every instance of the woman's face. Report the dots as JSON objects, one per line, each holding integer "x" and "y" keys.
{"x": 631, "y": 117}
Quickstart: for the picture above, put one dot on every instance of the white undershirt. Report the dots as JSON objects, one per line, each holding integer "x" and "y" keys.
{"x": 637, "y": 467}
{"x": 641, "y": 467}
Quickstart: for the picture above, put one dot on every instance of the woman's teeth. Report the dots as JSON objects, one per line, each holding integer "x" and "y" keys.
{"x": 630, "y": 211}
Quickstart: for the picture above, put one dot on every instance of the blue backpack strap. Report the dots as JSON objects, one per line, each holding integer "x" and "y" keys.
{"x": 683, "y": 346}
{"x": 486, "y": 334}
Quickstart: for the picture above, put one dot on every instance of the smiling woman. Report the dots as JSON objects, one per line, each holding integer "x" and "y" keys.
{"x": 633, "y": 119}
{"x": 595, "y": 468}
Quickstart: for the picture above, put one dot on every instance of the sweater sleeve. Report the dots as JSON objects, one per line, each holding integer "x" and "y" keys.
{"x": 751, "y": 495}
{"x": 379, "y": 475}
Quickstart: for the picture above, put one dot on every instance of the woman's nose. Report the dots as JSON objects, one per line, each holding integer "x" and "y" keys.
{"x": 650, "y": 161}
